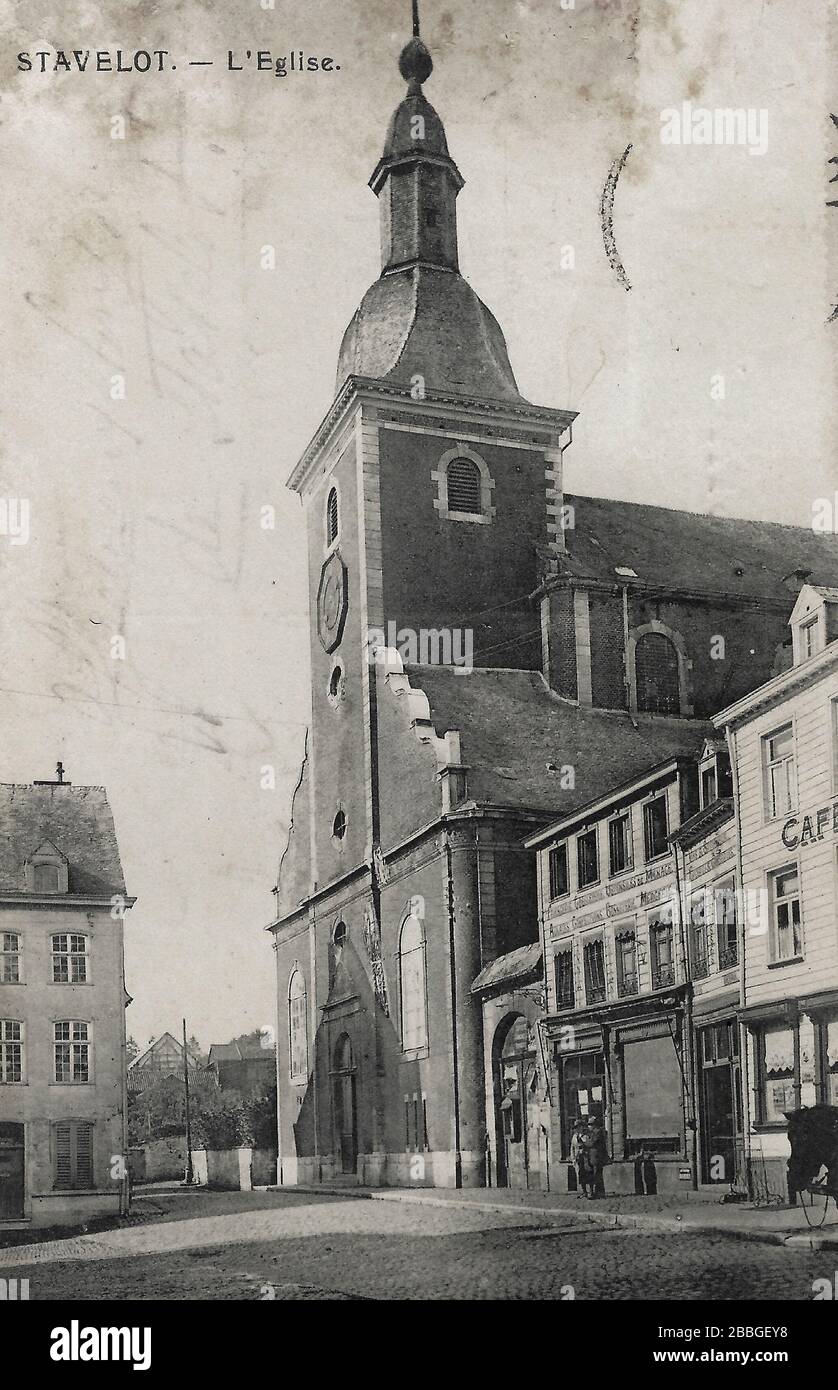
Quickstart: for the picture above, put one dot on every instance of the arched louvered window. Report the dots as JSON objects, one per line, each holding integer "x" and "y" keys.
{"x": 297, "y": 1027}
{"x": 657, "y": 675}
{"x": 464, "y": 487}
{"x": 332, "y": 516}
{"x": 414, "y": 1014}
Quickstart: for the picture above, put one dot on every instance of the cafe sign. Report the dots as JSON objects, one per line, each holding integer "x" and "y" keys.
{"x": 812, "y": 828}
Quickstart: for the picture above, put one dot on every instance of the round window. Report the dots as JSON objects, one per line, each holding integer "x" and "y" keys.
{"x": 339, "y": 824}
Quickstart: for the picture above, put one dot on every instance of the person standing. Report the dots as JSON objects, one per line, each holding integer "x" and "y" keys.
{"x": 594, "y": 1156}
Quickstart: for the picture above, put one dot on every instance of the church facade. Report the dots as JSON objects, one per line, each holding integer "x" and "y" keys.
{"x": 548, "y": 648}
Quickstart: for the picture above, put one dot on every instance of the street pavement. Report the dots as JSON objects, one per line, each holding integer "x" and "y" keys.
{"x": 291, "y": 1245}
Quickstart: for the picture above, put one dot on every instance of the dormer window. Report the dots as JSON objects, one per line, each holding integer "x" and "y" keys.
{"x": 47, "y": 878}
{"x": 46, "y": 871}
{"x": 464, "y": 487}
{"x": 714, "y": 775}
{"x": 814, "y": 621}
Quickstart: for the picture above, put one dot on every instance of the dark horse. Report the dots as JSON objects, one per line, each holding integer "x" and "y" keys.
{"x": 813, "y": 1136}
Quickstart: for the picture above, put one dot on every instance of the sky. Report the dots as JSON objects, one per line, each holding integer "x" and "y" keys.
{"x": 174, "y": 301}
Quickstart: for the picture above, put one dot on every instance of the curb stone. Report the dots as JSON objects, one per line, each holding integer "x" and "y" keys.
{"x": 611, "y": 1219}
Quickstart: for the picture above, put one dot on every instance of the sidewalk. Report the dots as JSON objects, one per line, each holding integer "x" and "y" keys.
{"x": 696, "y": 1213}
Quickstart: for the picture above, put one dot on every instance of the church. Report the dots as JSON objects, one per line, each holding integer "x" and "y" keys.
{"x": 602, "y": 637}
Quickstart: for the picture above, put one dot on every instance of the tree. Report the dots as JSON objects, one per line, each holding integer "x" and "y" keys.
{"x": 132, "y": 1049}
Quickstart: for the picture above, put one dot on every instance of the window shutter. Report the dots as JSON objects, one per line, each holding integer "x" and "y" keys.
{"x": 464, "y": 486}
{"x": 84, "y": 1155}
{"x": 63, "y": 1156}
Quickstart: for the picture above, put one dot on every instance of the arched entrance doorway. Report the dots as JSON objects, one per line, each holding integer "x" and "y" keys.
{"x": 343, "y": 1105}
{"x": 520, "y": 1138}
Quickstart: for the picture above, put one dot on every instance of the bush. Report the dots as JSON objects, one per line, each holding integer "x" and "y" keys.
{"x": 223, "y": 1125}
{"x": 261, "y": 1115}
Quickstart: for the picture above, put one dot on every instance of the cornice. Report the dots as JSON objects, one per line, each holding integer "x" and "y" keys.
{"x": 371, "y": 390}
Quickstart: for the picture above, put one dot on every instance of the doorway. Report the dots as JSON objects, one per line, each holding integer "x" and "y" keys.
{"x": 520, "y": 1161}
{"x": 721, "y": 1101}
{"x": 343, "y": 1105}
{"x": 12, "y": 1188}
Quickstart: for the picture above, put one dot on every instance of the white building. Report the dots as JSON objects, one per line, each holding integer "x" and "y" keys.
{"x": 62, "y": 1006}
{"x": 783, "y": 742}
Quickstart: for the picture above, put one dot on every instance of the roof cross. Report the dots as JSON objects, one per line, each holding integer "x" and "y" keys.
{"x": 416, "y": 19}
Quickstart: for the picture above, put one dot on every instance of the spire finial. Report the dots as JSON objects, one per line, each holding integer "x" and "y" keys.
{"x": 415, "y": 63}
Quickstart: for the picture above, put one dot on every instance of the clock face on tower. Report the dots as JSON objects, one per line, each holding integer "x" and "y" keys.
{"x": 331, "y": 602}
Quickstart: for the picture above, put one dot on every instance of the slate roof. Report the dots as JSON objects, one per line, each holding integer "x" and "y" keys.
{"x": 430, "y": 322}
{"x": 79, "y": 823}
{"x": 688, "y": 550}
{"x": 515, "y": 735}
{"x": 238, "y": 1052}
{"x": 513, "y": 966}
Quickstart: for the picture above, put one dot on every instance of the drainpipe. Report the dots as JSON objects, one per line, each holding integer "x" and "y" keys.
{"x": 452, "y": 952}
{"x": 689, "y": 1070}
{"x": 744, "y": 1051}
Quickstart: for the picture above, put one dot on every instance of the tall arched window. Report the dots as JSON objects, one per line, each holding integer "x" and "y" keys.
{"x": 332, "y": 516}
{"x": 414, "y": 1014}
{"x": 657, "y": 674}
{"x": 297, "y": 1027}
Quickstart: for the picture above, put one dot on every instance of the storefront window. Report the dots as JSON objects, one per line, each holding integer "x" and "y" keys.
{"x": 777, "y": 1074}
{"x": 829, "y": 1061}
{"x": 653, "y": 1087}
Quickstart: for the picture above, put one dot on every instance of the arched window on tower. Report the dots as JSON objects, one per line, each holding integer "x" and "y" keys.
{"x": 657, "y": 674}
{"x": 463, "y": 486}
{"x": 332, "y": 517}
{"x": 297, "y": 1027}
{"x": 414, "y": 1014}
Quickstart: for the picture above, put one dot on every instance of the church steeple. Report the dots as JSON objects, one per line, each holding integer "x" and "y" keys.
{"x": 416, "y": 180}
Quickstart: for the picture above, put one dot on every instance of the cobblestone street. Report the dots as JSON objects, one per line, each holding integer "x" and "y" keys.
{"x": 295, "y": 1246}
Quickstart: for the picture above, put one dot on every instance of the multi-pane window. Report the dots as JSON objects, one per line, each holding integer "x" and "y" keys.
{"x": 72, "y": 1142}
{"x": 594, "y": 960}
{"x": 708, "y": 784}
{"x": 588, "y": 858}
{"x": 46, "y": 878}
{"x": 657, "y": 674}
{"x": 625, "y": 947}
{"x": 778, "y": 762}
{"x": 619, "y": 843}
{"x": 69, "y": 959}
{"x": 71, "y": 1042}
{"x": 565, "y": 995}
{"x": 786, "y": 935}
{"x": 809, "y": 639}
{"x": 559, "y": 877}
{"x": 11, "y": 1051}
{"x": 662, "y": 943}
{"x": 412, "y": 985}
{"x": 698, "y": 937}
{"x": 10, "y": 972}
{"x": 727, "y": 927}
{"x": 297, "y": 1027}
{"x": 655, "y": 827}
